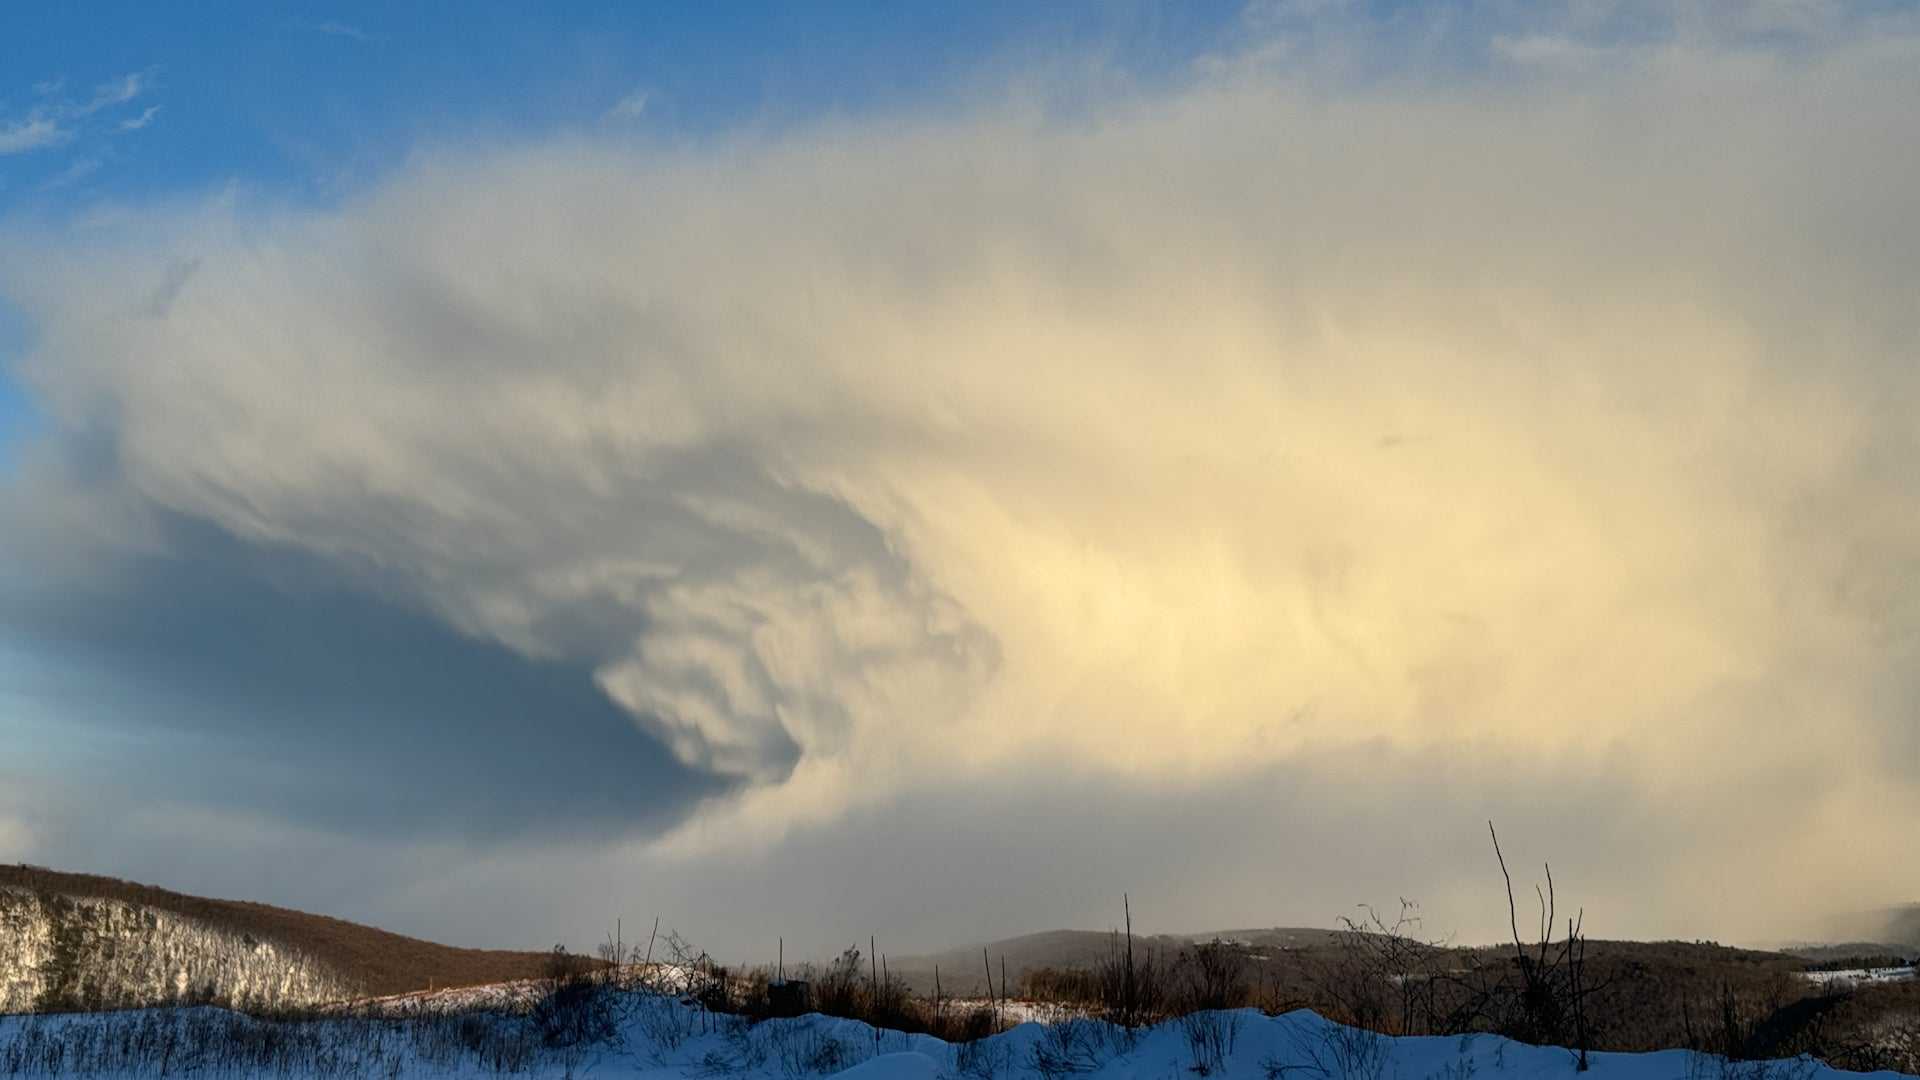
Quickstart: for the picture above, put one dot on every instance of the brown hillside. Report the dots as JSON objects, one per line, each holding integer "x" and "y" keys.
{"x": 376, "y": 961}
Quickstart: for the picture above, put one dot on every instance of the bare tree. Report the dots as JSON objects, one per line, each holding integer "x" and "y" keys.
{"x": 1549, "y": 1002}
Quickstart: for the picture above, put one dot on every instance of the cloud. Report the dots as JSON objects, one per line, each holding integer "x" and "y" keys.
{"x": 135, "y": 123}
{"x": 55, "y": 123}
{"x": 116, "y": 92}
{"x": 330, "y": 706}
{"x": 1547, "y": 49}
{"x": 881, "y": 462}
{"x": 33, "y": 133}
{"x": 77, "y": 170}
{"x": 631, "y": 107}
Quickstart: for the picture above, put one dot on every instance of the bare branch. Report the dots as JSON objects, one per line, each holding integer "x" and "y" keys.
{"x": 1513, "y": 916}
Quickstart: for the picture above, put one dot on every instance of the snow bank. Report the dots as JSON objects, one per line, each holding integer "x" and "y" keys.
{"x": 665, "y": 1039}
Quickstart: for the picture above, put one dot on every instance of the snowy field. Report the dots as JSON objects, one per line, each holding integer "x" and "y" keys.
{"x": 661, "y": 1038}
{"x": 1860, "y": 976}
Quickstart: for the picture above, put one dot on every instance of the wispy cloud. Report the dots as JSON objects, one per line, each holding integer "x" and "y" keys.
{"x": 115, "y": 92}
{"x": 631, "y": 107}
{"x": 76, "y": 171}
{"x": 57, "y": 120}
{"x": 34, "y": 133}
{"x": 1545, "y": 50}
{"x": 135, "y": 123}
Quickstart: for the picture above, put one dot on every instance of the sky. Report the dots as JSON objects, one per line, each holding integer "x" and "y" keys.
{"x": 814, "y": 471}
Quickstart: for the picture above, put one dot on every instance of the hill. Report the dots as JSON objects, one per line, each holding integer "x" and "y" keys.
{"x": 1643, "y": 995}
{"x": 79, "y": 940}
{"x": 962, "y": 969}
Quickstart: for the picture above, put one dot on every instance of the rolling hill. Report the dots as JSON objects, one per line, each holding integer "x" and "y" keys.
{"x": 77, "y": 940}
{"x": 962, "y": 971}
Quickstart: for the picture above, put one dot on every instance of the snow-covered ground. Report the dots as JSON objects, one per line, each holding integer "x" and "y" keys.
{"x": 1860, "y": 976}
{"x": 516, "y": 995}
{"x": 490, "y": 997}
{"x": 1014, "y": 1011}
{"x": 664, "y": 1039}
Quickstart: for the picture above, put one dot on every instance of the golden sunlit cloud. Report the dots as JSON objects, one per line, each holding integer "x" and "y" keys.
{"x": 1250, "y": 422}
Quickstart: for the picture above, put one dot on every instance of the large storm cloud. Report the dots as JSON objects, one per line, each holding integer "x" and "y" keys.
{"x": 1281, "y": 433}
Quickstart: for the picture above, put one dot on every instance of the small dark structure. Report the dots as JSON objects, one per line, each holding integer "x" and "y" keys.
{"x": 787, "y": 997}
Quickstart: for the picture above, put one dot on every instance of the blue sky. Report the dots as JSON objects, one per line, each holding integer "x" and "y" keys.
{"x": 299, "y": 101}
{"x": 138, "y": 102}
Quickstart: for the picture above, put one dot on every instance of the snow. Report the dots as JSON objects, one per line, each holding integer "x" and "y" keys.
{"x": 94, "y": 950}
{"x": 666, "y": 1039}
{"x": 490, "y": 997}
{"x": 906, "y": 1065}
{"x": 1858, "y": 976}
{"x": 1012, "y": 1012}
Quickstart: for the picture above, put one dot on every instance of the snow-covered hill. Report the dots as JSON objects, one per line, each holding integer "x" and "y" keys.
{"x": 661, "y": 1038}
{"x": 63, "y": 952}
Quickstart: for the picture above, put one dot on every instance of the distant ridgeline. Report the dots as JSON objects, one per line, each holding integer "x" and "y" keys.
{"x": 61, "y": 952}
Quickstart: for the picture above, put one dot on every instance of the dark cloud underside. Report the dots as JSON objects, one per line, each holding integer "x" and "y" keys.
{"x": 284, "y": 690}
